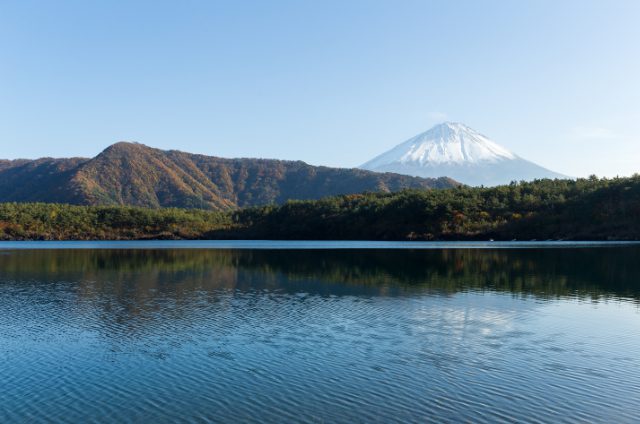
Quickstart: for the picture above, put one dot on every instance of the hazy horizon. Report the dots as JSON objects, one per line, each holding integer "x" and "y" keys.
{"x": 329, "y": 83}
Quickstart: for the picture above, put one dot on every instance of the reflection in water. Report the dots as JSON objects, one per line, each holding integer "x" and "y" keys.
{"x": 546, "y": 273}
{"x": 335, "y": 336}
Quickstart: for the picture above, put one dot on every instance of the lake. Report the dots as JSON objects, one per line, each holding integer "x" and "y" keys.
{"x": 319, "y": 332}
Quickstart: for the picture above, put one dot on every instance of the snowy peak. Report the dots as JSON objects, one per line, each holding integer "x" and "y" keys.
{"x": 447, "y": 143}
{"x": 454, "y": 150}
{"x": 455, "y": 142}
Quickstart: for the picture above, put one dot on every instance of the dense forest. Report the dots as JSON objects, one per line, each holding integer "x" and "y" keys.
{"x": 595, "y": 209}
{"x": 51, "y": 221}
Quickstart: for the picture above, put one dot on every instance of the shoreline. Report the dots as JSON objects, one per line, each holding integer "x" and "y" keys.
{"x": 305, "y": 244}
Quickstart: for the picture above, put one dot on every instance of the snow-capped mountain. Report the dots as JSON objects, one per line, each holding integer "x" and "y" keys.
{"x": 459, "y": 152}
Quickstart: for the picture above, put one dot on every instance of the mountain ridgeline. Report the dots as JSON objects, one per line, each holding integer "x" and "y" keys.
{"x": 136, "y": 175}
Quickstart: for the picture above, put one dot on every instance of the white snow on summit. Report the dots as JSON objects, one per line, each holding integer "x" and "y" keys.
{"x": 450, "y": 142}
{"x": 457, "y": 151}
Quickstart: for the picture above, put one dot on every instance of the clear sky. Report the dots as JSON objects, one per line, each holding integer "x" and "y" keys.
{"x": 328, "y": 82}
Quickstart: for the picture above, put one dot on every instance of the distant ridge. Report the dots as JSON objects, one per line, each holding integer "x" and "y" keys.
{"x": 134, "y": 174}
{"x": 461, "y": 153}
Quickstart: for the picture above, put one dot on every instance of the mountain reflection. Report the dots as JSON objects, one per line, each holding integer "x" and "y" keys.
{"x": 593, "y": 273}
{"x": 132, "y": 293}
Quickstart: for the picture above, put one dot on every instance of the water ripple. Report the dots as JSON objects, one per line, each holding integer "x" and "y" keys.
{"x": 244, "y": 344}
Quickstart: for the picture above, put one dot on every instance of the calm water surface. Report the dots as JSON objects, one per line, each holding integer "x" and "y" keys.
{"x": 110, "y": 334}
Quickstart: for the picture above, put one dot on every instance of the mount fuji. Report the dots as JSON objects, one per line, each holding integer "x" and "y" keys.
{"x": 459, "y": 152}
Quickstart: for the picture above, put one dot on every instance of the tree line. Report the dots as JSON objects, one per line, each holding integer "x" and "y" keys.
{"x": 588, "y": 208}
{"x": 53, "y": 221}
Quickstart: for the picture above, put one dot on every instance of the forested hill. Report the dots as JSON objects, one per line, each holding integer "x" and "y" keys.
{"x": 136, "y": 175}
{"x": 584, "y": 209}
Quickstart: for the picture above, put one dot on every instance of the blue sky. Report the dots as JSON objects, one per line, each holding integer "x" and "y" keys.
{"x": 327, "y": 82}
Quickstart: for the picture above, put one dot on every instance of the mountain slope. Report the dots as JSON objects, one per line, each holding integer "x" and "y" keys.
{"x": 134, "y": 174}
{"x": 461, "y": 153}
{"x": 40, "y": 180}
